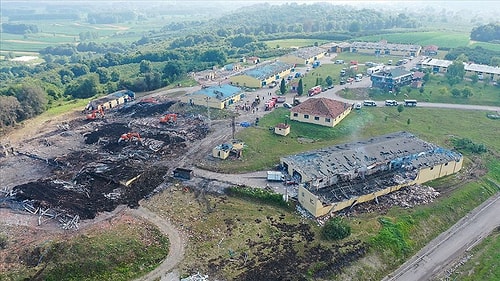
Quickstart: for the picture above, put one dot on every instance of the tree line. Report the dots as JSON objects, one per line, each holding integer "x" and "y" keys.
{"x": 486, "y": 33}
{"x": 166, "y": 56}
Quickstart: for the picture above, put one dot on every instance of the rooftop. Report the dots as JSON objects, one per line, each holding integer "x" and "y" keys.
{"x": 221, "y": 92}
{"x": 482, "y": 68}
{"x": 384, "y": 45}
{"x": 395, "y": 148}
{"x": 321, "y": 107}
{"x": 307, "y": 53}
{"x": 393, "y": 72}
{"x": 265, "y": 70}
{"x": 437, "y": 62}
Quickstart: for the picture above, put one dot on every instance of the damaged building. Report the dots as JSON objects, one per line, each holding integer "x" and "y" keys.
{"x": 341, "y": 176}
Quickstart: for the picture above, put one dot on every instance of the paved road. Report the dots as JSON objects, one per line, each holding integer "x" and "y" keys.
{"x": 448, "y": 246}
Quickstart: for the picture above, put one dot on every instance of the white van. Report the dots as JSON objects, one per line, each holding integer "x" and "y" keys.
{"x": 358, "y": 77}
{"x": 369, "y": 103}
{"x": 391, "y": 103}
{"x": 339, "y": 62}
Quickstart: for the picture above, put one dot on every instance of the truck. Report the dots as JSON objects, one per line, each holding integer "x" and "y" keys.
{"x": 369, "y": 103}
{"x": 410, "y": 103}
{"x": 374, "y": 69}
{"x": 275, "y": 176}
{"x": 270, "y": 104}
{"x": 314, "y": 91}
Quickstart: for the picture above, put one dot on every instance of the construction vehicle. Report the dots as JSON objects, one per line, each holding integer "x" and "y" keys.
{"x": 130, "y": 137}
{"x": 169, "y": 118}
{"x": 96, "y": 113}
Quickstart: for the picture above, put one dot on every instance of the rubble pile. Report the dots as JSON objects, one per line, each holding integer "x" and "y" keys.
{"x": 406, "y": 197}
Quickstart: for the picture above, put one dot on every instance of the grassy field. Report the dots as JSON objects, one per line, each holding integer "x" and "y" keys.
{"x": 435, "y": 125}
{"x": 122, "y": 249}
{"x": 483, "y": 265}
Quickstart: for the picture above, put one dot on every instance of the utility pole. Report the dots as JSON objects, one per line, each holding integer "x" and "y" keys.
{"x": 233, "y": 125}
{"x": 208, "y": 113}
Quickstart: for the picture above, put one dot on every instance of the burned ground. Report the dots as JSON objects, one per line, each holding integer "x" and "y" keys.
{"x": 103, "y": 173}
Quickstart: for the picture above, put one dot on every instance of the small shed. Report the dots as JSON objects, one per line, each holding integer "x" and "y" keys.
{"x": 224, "y": 150}
{"x": 282, "y": 129}
{"x": 184, "y": 174}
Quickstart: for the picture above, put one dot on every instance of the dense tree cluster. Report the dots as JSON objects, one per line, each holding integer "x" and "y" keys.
{"x": 486, "y": 33}
{"x": 20, "y": 102}
{"x": 478, "y": 55}
{"x": 19, "y": 28}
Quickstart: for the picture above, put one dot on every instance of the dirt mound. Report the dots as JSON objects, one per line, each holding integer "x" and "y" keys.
{"x": 111, "y": 131}
{"x": 145, "y": 109}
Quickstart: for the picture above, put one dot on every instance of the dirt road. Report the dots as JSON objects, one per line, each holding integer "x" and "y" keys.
{"x": 450, "y": 245}
{"x": 176, "y": 240}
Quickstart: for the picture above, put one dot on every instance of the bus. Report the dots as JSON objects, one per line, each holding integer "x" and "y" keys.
{"x": 410, "y": 102}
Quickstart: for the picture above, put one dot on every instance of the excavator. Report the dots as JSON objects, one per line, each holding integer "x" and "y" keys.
{"x": 130, "y": 137}
{"x": 96, "y": 113}
{"x": 169, "y": 118}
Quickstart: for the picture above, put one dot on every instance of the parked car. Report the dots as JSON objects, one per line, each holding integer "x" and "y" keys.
{"x": 342, "y": 81}
{"x": 350, "y": 80}
{"x": 287, "y": 105}
{"x": 357, "y": 105}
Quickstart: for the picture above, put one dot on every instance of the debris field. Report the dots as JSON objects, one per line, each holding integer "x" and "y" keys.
{"x": 103, "y": 169}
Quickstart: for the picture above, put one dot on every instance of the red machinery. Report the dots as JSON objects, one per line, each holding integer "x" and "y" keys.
{"x": 96, "y": 113}
{"x": 169, "y": 118}
{"x": 128, "y": 137}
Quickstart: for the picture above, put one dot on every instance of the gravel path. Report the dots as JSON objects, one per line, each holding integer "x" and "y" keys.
{"x": 176, "y": 249}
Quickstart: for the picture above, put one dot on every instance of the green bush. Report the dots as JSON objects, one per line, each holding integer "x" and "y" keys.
{"x": 336, "y": 229}
{"x": 258, "y": 194}
{"x": 465, "y": 144}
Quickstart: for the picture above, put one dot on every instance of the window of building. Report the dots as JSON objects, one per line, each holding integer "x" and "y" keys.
{"x": 306, "y": 116}
{"x": 303, "y": 194}
{"x": 328, "y": 120}
{"x": 295, "y": 114}
{"x": 311, "y": 201}
{"x": 446, "y": 164}
{"x": 316, "y": 118}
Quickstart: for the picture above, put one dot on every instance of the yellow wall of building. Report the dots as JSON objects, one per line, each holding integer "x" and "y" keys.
{"x": 112, "y": 103}
{"x": 445, "y": 169}
{"x": 322, "y": 120}
{"x": 218, "y": 153}
{"x": 281, "y": 131}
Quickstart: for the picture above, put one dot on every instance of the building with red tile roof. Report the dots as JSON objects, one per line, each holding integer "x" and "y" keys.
{"x": 321, "y": 111}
